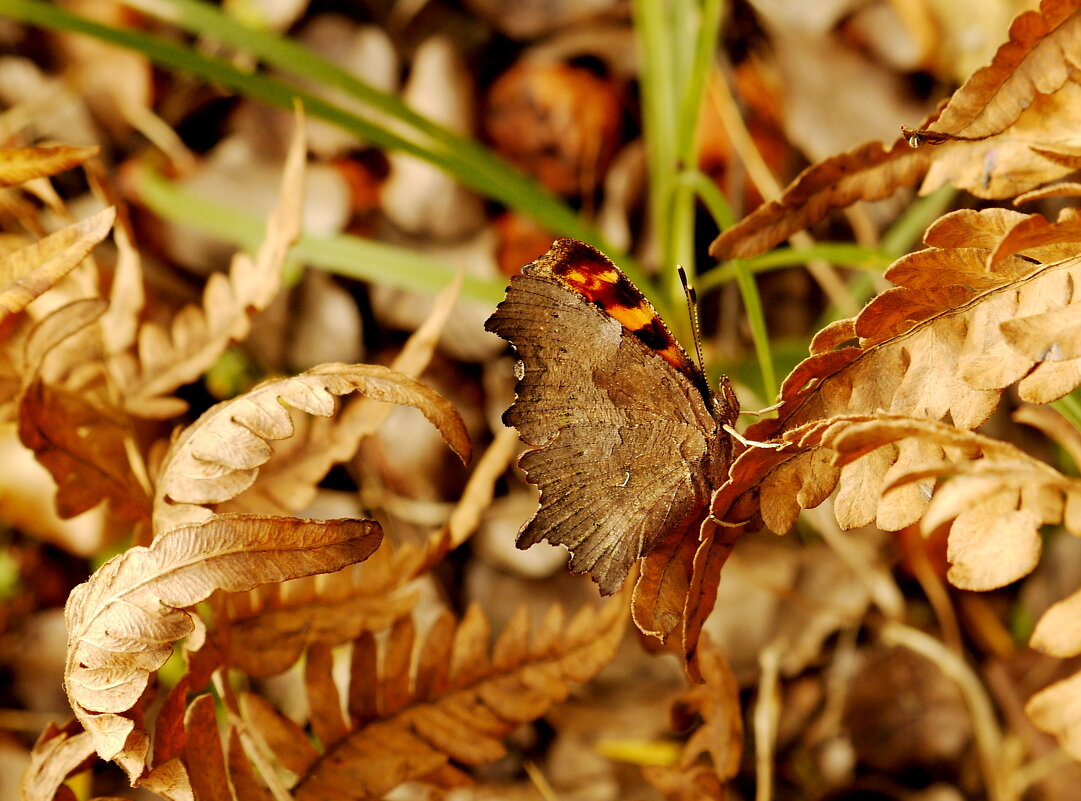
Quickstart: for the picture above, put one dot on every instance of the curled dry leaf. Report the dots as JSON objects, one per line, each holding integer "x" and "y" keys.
{"x": 22, "y": 164}
{"x": 28, "y": 272}
{"x": 58, "y": 753}
{"x": 219, "y": 456}
{"x": 996, "y": 137}
{"x": 122, "y": 623}
{"x": 452, "y": 701}
{"x": 170, "y": 356}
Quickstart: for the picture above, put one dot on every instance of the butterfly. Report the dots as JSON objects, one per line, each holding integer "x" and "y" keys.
{"x": 627, "y": 440}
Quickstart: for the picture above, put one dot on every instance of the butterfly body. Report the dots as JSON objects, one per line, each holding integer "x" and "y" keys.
{"x": 627, "y": 439}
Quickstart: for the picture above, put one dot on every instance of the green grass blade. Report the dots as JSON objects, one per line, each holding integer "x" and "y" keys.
{"x": 345, "y": 255}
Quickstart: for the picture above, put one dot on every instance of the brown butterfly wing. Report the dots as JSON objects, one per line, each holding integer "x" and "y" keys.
{"x": 621, "y": 440}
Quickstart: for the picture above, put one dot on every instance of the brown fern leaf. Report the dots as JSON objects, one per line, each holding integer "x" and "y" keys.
{"x": 871, "y": 171}
{"x": 940, "y": 347}
{"x": 219, "y": 456}
{"x": 266, "y": 631}
{"x": 1037, "y": 60}
{"x": 1000, "y": 131}
{"x": 995, "y": 498}
{"x": 122, "y": 623}
{"x": 168, "y": 358}
{"x": 414, "y": 719}
{"x": 82, "y": 445}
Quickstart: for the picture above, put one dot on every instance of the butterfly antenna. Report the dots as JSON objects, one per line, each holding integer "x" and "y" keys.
{"x": 692, "y": 309}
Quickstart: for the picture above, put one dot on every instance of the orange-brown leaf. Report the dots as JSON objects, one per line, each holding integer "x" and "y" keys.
{"x": 203, "y": 755}
{"x": 1037, "y": 59}
{"x": 871, "y": 171}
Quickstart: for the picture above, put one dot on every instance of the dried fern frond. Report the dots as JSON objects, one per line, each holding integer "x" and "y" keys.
{"x": 414, "y": 713}
{"x": 170, "y": 356}
{"x": 27, "y": 273}
{"x": 998, "y": 136}
{"x": 122, "y": 623}
{"x": 947, "y": 345}
{"x": 219, "y": 456}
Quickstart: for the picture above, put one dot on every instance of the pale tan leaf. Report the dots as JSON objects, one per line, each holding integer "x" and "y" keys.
{"x": 1057, "y": 710}
{"x": 21, "y": 164}
{"x": 127, "y": 296}
{"x": 170, "y": 357}
{"x": 459, "y": 715}
{"x": 1058, "y": 631}
{"x": 27, "y": 273}
{"x": 54, "y": 329}
{"x": 1050, "y": 336}
{"x": 219, "y": 456}
{"x": 992, "y": 543}
{"x": 123, "y": 621}
{"x": 169, "y": 780}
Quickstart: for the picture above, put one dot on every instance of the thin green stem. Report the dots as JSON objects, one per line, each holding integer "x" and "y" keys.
{"x": 658, "y": 112}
